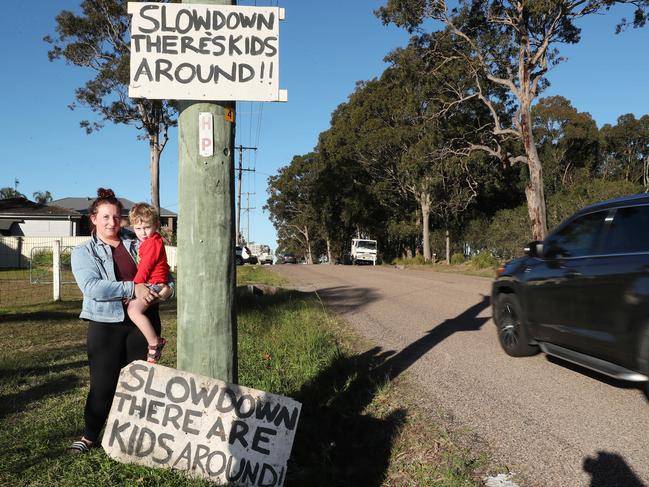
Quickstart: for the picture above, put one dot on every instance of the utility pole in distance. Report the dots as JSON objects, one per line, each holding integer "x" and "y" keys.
{"x": 207, "y": 327}
{"x": 248, "y": 208}
{"x": 241, "y": 169}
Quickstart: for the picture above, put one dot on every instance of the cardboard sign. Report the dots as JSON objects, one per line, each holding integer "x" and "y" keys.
{"x": 163, "y": 417}
{"x": 205, "y": 52}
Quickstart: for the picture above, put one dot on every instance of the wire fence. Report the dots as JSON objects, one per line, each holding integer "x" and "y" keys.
{"x": 27, "y": 270}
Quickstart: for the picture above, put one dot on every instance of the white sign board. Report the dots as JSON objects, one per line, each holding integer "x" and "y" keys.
{"x": 163, "y": 417}
{"x": 205, "y": 134}
{"x": 205, "y": 52}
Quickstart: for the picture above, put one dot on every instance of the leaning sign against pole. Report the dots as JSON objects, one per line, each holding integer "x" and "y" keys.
{"x": 206, "y": 56}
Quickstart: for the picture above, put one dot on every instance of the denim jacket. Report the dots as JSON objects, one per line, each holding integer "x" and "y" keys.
{"x": 94, "y": 271}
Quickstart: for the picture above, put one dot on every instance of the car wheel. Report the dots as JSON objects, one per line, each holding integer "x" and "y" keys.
{"x": 512, "y": 331}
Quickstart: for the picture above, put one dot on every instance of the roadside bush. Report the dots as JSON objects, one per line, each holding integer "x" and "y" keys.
{"x": 44, "y": 259}
{"x": 416, "y": 260}
{"x": 484, "y": 260}
{"x": 457, "y": 259}
{"x": 561, "y": 205}
{"x": 508, "y": 232}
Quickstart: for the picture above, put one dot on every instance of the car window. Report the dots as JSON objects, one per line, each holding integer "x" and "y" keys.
{"x": 629, "y": 231}
{"x": 576, "y": 239}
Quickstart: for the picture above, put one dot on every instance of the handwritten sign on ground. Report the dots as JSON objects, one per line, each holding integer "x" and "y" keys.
{"x": 163, "y": 417}
{"x": 204, "y": 52}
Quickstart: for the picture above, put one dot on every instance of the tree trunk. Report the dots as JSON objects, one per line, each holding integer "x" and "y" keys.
{"x": 154, "y": 144}
{"x": 329, "y": 259}
{"x": 424, "y": 201}
{"x": 448, "y": 248}
{"x": 309, "y": 257}
{"x": 534, "y": 189}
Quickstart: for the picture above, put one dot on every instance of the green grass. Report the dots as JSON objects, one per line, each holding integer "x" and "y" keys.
{"x": 249, "y": 274}
{"x": 18, "y": 288}
{"x": 356, "y": 427}
{"x": 465, "y": 268}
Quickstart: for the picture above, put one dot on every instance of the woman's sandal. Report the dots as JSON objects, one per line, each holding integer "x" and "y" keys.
{"x": 80, "y": 446}
{"x": 155, "y": 351}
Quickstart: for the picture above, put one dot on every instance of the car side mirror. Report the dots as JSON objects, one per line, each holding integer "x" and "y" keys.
{"x": 534, "y": 249}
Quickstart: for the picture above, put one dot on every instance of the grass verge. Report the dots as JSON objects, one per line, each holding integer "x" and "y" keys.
{"x": 356, "y": 428}
{"x": 466, "y": 269}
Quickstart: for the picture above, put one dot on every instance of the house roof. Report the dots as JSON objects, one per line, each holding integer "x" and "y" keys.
{"x": 6, "y": 224}
{"x": 21, "y": 208}
{"x": 81, "y": 205}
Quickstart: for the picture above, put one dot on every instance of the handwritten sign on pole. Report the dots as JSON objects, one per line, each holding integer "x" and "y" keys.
{"x": 205, "y": 52}
{"x": 163, "y": 417}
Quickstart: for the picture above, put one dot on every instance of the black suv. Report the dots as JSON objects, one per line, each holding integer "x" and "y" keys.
{"x": 583, "y": 294}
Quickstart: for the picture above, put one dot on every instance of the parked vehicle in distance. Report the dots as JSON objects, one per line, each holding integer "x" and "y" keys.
{"x": 242, "y": 255}
{"x": 363, "y": 251}
{"x": 261, "y": 253}
{"x": 287, "y": 258}
{"x": 582, "y": 294}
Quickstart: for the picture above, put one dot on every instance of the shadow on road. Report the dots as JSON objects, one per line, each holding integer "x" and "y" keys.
{"x": 610, "y": 470}
{"x": 346, "y": 299}
{"x": 337, "y": 442}
{"x": 465, "y": 321}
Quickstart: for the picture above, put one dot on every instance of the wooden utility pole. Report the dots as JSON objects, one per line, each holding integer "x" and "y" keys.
{"x": 207, "y": 327}
{"x": 240, "y": 171}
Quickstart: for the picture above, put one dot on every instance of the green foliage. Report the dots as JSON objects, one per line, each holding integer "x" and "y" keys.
{"x": 99, "y": 39}
{"x": 625, "y": 150}
{"x": 457, "y": 259}
{"x": 416, "y": 260}
{"x": 567, "y": 143}
{"x": 44, "y": 259}
{"x": 485, "y": 260}
{"x": 8, "y": 192}
{"x": 565, "y": 203}
{"x": 508, "y": 232}
{"x": 42, "y": 197}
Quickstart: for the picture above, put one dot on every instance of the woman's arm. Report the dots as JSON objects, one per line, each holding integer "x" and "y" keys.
{"x": 87, "y": 272}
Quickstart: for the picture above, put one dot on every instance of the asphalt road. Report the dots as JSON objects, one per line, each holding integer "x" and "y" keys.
{"x": 551, "y": 423}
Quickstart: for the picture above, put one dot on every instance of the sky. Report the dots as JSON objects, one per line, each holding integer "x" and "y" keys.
{"x": 325, "y": 48}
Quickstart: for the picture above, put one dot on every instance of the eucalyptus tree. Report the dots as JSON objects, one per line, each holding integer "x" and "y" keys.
{"x": 567, "y": 141}
{"x": 98, "y": 39}
{"x": 510, "y": 44}
{"x": 400, "y": 140}
{"x": 625, "y": 150}
{"x": 290, "y": 204}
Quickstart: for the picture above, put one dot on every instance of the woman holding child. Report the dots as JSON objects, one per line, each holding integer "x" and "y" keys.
{"x": 105, "y": 270}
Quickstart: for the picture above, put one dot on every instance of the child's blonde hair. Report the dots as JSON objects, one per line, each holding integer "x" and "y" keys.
{"x": 143, "y": 212}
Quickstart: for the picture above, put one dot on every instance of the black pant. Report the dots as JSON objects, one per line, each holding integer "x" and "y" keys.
{"x": 111, "y": 346}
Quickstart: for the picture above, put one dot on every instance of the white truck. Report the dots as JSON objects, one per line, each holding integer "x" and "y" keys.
{"x": 262, "y": 252}
{"x": 363, "y": 250}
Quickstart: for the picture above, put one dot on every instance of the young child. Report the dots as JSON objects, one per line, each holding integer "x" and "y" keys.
{"x": 152, "y": 270}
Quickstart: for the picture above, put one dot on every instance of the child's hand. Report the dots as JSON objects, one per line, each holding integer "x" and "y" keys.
{"x": 165, "y": 293}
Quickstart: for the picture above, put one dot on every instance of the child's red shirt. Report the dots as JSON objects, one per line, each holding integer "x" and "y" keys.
{"x": 153, "y": 267}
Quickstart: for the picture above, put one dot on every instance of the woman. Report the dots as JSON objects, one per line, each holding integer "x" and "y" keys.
{"x": 104, "y": 268}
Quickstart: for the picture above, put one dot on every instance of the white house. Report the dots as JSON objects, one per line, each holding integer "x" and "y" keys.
{"x": 23, "y": 218}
